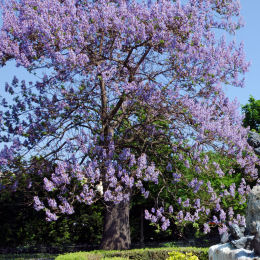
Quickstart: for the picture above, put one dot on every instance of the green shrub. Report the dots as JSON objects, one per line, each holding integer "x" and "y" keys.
{"x": 114, "y": 258}
{"x": 138, "y": 254}
{"x": 180, "y": 256}
{"x": 88, "y": 256}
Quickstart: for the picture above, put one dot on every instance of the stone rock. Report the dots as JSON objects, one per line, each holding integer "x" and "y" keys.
{"x": 244, "y": 242}
{"x": 236, "y": 232}
{"x": 256, "y": 240}
{"x": 253, "y": 208}
{"x": 257, "y": 150}
{"x": 256, "y": 245}
{"x": 254, "y": 139}
{"x": 227, "y": 252}
{"x": 224, "y": 237}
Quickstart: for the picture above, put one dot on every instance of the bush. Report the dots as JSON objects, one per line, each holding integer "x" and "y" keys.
{"x": 88, "y": 256}
{"x": 138, "y": 254}
{"x": 180, "y": 256}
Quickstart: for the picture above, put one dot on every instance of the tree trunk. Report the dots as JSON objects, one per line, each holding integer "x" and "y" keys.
{"x": 116, "y": 233}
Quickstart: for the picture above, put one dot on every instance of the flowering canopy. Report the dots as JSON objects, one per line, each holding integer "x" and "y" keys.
{"x": 112, "y": 74}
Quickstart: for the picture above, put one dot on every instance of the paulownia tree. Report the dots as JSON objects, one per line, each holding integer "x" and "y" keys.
{"x": 117, "y": 81}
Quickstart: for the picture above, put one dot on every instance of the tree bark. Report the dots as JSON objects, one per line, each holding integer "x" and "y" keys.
{"x": 116, "y": 232}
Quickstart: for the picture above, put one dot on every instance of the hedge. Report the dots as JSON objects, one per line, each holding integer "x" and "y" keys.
{"x": 137, "y": 254}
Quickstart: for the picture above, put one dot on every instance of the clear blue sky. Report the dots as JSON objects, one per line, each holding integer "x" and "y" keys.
{"x": 249, "y": 35}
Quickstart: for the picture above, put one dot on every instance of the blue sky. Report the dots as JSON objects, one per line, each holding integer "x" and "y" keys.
{"x": 249, "y": 35}
{"x": 251, "y": 38}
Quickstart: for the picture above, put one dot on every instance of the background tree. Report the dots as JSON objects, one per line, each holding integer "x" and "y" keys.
{"x": 101, "y": 65}
{"x": 252, "y": 114}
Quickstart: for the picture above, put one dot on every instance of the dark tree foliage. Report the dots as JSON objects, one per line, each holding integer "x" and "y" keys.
{"x": 252, "y": 114}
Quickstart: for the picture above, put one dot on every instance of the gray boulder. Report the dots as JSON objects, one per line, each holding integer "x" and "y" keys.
{"x": 257, "y": 150}
{"x": 254, "y": 139}
{"x": 253, "y": 209}
{"x": 228, "y": 252}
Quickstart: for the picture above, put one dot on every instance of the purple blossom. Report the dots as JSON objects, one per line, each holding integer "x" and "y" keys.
{"x": 145, "y": 193}
{"x": 213, "y": 197}
{"x": 128, "y": 181}
{"x": 48, "y": 185}
{"x": 230, "y": 212}
{"x": 186, "y": 203}
{"x": 147, "y": 215}
{"x": 222, "y": 215}
{"x": 176, "y": 177}
{"x": 166, "y": 224}
{"x": 50, "y": 216}
{"x": 38, "y": 205}
{"x": 218, "y": 207}
{"x": 232, "y": 189}
{"x": 197, "y": 169}
{"x": 188, "y": 217}
{"x": 151, "y": 174}
{"x": 125, "y": 154}
{"x": 154, "y": 219}
{"x": 210, "y": 189}
{"x": 142, "y": 162}
{"x": 195, "y": 184}
{"x": 206, "y": 228}
{"x": 222, "y": 229}
{"x": 187, "y": 164}
{"x": 215, "y": 220}
{"x": 65, "y": 207}
{"x": 52, "y": 203}
{"x": 132, "y": 161}
{"x": 180, "y": 216}
{"x": 139, "y": 184}
{"x": 242, "y": 187}
{"x": 108, "y": 195}
{"x": 197, "y": 203}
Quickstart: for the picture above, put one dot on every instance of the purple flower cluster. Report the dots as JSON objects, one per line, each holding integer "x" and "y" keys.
{"x": 195, "y": 184}
{"x": 156, "y": 216}
{"x": 38, "y": 205}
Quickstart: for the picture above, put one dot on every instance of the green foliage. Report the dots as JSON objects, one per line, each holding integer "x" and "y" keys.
{"x": 252, "y": 114}
{"x": 23, "y": 226}
{"x": 180, "y": 256}
{"x": 114, "y": 258}
{"x": 138, "y": 254}
{"x": 89, "y": 256}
